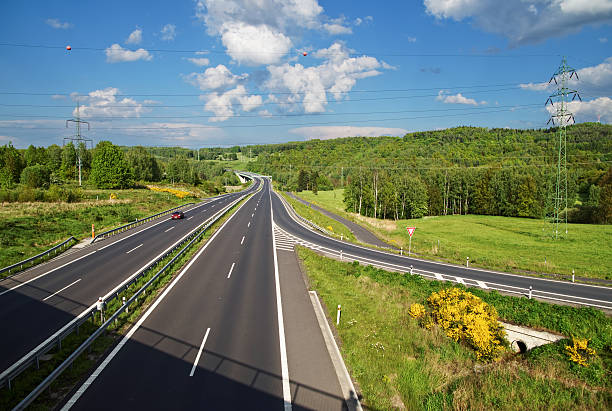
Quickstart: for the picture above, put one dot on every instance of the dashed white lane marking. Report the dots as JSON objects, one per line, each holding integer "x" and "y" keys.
{"x": 59, "y": 291}
{"x": 252, "y": 215}
{"x": 242, "y": 241}
{"x": 135, "y": 248}
{"x": 189, "y": 218}
{"x": 439, "y": 277}
{"x": 195, "y": 363}
{"x": 249, "y": 224}
{"x": 230, "y": 271}
{"x": 171, "y": 228}
{"x": 482, "y": 284}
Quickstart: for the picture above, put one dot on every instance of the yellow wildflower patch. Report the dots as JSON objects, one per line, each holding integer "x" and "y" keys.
{"x": 580, "y": 352}
{"x": 464, "y": 317}
{"x": 178, "y": 193}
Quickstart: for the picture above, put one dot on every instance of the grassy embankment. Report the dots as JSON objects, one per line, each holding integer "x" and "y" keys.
{"x": 502, "y": 243}
{"x": 397, "y": 363}
{"x": 323, "y": 221}
{"x": 27, "y": 229}
{"x": 83, "y": 365}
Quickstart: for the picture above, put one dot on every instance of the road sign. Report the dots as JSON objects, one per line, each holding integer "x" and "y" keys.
{"x": 410, "y": 230}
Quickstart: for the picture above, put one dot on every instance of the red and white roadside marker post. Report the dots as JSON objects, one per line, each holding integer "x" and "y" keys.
{"x": 410, "y": 232}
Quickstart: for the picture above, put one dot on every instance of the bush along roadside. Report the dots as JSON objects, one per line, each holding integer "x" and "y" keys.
{"x": 29, "y": 379}
{"x": 398, "y": 363}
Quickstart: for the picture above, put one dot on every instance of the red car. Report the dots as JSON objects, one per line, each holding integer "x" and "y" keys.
{"x": 177, "y": 215}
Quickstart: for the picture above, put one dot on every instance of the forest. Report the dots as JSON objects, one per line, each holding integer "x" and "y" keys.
{"x": 51, "y": 173}
{"x": 463, "y": 170}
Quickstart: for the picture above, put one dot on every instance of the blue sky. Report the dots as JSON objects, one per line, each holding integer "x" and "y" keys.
{"x": 233, "y": 72}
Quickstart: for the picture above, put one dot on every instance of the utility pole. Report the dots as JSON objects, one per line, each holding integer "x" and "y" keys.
{"x": 562, "y": 117}
{"x": 78, "y": 138}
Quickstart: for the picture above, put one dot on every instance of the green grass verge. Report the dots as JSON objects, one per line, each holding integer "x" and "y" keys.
{"x": 27, "y": 229}
{"x": 323, "y": 221}
{"x": 397, "y": 362}
{"x": 52, "y": 397}
{"x": 501, "y": 243}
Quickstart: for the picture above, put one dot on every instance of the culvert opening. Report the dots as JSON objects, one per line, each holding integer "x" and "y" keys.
{"x": 519, "y": 346}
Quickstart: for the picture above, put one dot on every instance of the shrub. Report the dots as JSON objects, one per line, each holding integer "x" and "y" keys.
{"x": 36, "y": 176}
{"x": 417, "y": 311}
{"x": 580, "y": 352}
{"x": 465, "y": 317}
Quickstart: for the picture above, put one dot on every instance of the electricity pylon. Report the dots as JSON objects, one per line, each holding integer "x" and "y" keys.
{"x": 78, "y": 138}
{"x": 562, "y": 117}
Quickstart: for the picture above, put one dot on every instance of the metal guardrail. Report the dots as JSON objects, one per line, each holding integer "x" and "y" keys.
{"x": 44, "y": 254}
{"x": 136, "y": 223}
{"x": 34, "y": 356}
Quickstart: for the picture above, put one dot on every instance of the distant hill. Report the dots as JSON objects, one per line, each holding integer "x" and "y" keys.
{"x": 453, "y": 171}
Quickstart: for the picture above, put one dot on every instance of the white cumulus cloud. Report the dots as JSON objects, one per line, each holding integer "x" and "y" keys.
{"x": 261, "y": 32}
{"x": 215, "y": 78}
{"x": 524, "y": 21}
{"x": 592, "y": 81}
{"x": 329, "y": 132}
{"x": 117, "y": 54}
{"x": 107, "y": 103}
{"x": 57, "y": 24}
{"x": 168, "y": 32}
{"x": 199, "y": 61}
{"x": 135, "y": 37}
{"x": 224, "y": 104}
{"x": 457, "y": 99}
{"x": 599, "y": 109}
{"x": 308, "y": 86}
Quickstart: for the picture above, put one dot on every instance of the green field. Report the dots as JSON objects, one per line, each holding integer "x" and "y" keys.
{"x": 321, "y": 220}
{"x": 502, "y": 243}
{"x": 27, "y": 229}
{"x": 399, "y": 364}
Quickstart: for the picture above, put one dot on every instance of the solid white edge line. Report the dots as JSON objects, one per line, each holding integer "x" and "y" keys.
{"x": 281, "y": 326}
{"x": 125, "y": 339}
{"x": 48, "y": 272}
{"x": 135, "y": 248}
{"x": 330, "y": 342}
{"x": 230, "y": 271}
{"x": 59, "y": 291}
{"x": 195, "y": 363}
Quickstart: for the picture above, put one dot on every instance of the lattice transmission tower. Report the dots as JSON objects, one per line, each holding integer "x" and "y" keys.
{"x": 562, "y": 117}
{"x": 78, "y": 138}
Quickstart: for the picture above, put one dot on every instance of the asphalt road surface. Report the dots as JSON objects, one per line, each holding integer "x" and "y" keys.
{"x": 216, "y": 338}
{"x": 551, "y": 290}
{"x": 37, "y": 303}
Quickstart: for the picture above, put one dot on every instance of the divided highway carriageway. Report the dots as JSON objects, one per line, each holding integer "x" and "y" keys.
{"x": 35, "y": 305}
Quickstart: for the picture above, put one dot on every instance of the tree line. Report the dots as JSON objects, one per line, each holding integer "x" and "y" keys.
{"x": 464, "y": 170}
{"x": 105, "y": 166}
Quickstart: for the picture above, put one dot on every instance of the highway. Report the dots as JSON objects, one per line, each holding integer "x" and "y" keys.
{"x": 551, "y": 290}
{"x": 215, "y": 339}
{"x": 39, "y": 302}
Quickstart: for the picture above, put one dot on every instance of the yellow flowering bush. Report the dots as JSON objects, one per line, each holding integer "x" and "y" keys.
{"x": 580, "y": 352}
{"x": 465, "y": 317}
{"x": 417, "y": 310}
{"x": 178, "y": 193}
